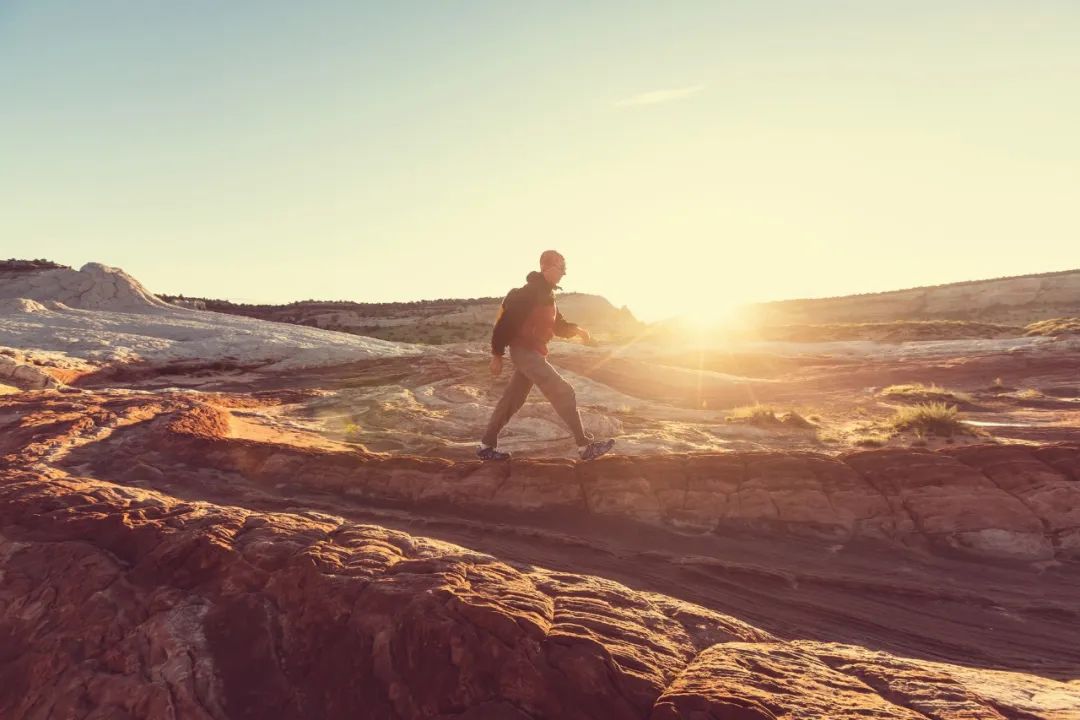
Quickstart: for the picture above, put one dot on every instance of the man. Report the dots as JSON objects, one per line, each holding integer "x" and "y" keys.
{"x": 527, "y": 320}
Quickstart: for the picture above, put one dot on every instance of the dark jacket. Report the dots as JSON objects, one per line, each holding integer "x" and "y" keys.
{"x": 528, "y": 316}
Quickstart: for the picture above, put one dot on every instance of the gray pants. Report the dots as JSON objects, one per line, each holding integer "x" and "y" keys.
{"x": 532, "y": 368}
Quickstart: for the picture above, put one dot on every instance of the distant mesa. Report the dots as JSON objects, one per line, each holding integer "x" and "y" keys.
{"x": 1000, "y": 307}
{"x": 423, "y": 321}
{"x": 1020, "y": 299}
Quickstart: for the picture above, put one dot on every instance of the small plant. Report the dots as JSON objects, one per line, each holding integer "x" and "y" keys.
{"x": 918, "y": 392}
{"x": 766, "y": 415}
{"x": 352, "y": 430}
{"x": 1029, "y": 394}
{"x": 934, "y": 418}
{"x": 1054, "y": 326}
{"x": 758, "y": 415}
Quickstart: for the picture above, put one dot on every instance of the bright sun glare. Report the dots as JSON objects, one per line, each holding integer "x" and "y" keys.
{"x": 711, "y": 317}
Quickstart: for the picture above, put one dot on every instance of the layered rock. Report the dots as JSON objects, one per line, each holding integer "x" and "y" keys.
{"x": 987, "y": 501}
{"x": 25, "y": 375}
{"x": 123, "y": 602}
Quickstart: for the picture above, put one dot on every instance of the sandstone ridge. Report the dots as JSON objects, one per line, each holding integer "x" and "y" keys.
{"x": 1012, "y": 502}
{"x": 123, "y": 602}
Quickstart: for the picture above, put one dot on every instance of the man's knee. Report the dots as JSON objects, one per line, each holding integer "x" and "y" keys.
{"x": 562, "y": 391}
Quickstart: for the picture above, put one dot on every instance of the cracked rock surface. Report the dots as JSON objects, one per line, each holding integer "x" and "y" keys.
{"x": 156, "y": 565}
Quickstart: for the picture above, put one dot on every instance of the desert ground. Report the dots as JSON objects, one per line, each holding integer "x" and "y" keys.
{"x": 213, "y": 515}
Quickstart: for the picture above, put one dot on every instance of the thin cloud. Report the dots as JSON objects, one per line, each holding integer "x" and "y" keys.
{"x": 660, "y": 96}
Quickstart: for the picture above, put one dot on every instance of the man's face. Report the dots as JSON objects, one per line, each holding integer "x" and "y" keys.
{"x": 554, "y": 272}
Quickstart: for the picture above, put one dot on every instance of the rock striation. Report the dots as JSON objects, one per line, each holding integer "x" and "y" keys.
{"x": 1006, "y": 502}
{"x": 125, "y": 602}
{"x": 131, "y": 587}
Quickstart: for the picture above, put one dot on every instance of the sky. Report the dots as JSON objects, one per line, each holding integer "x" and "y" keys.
{"x": 684, "y": 156}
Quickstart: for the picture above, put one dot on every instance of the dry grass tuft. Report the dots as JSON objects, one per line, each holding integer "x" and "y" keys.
{"x": 934, "y": 418}
{"x": 767, "y": 416}
{"x": 920, "y": 393}
{"x": 1054, "y": 326}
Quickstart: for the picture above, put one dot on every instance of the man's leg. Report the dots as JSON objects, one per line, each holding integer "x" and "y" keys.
{"x": 511, "y": 401}
{"x": 556, "y": 389}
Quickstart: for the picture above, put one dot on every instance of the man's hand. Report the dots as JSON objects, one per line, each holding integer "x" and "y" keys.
{"x": 496, "y": 365}
{"x": 585, "y": 336}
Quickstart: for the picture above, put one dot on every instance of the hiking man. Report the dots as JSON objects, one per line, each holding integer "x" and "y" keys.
{"x": 527, "y": 320}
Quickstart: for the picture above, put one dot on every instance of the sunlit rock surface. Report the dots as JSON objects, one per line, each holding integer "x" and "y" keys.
{"x": 205, "y": 516}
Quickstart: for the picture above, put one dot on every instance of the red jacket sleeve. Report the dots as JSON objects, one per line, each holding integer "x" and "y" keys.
{"x": 562, "y": 328}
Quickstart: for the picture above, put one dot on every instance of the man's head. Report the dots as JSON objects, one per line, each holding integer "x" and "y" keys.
{"x": 553, "y": 266}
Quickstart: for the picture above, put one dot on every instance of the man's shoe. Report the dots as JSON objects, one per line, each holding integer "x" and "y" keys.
{"x": 595, "y": 449}
{"x": 490, "y": 453}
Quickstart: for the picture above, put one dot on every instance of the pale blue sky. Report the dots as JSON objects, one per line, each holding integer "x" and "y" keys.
{"x": 680, "y": 154}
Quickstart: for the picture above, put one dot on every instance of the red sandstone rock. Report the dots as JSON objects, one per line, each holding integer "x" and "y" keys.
{"x": 1051, "y": 496}
{"x": 769, "y": 681}
{"x": 126, "y": 602}
{"x": 120, "y": 599}
{"x": 983, "y": 500}
{"x": 953, "y": 505}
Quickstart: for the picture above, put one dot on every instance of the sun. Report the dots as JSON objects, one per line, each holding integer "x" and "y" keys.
{"x": 712, "y": 316}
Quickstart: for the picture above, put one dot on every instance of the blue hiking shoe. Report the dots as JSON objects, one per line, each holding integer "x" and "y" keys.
{"x": 595, "y": 449}
{"x": 490, "y": 453}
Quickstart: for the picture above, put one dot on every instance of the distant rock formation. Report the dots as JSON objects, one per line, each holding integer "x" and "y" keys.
{"x": 431, "y": 321}
{"x": 12, "y": 265}
{"x": 92, "y": 287}
{"x": 44, "y": 311}
{"x": 1017, "y": 300}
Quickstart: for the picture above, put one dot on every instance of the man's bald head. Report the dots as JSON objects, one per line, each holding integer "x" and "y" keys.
{"x": 553, "y": 266}
{"x": 552, "y": 258}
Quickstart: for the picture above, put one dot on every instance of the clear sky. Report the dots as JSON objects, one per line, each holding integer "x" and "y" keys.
{"x": 681, "y": 154}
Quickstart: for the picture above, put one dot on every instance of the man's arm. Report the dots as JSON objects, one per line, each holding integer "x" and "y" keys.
{"x": 568, "y": 329}
{"x": 565, "y": 329}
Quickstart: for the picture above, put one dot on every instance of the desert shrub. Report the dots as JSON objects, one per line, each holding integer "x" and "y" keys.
{"x": 766, "y": 415}
{"x": 918, "y": 392}
{"x": 1054, "y": 326}
{"x": 754, "y": 415}
{"x": 933, "y": 418}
